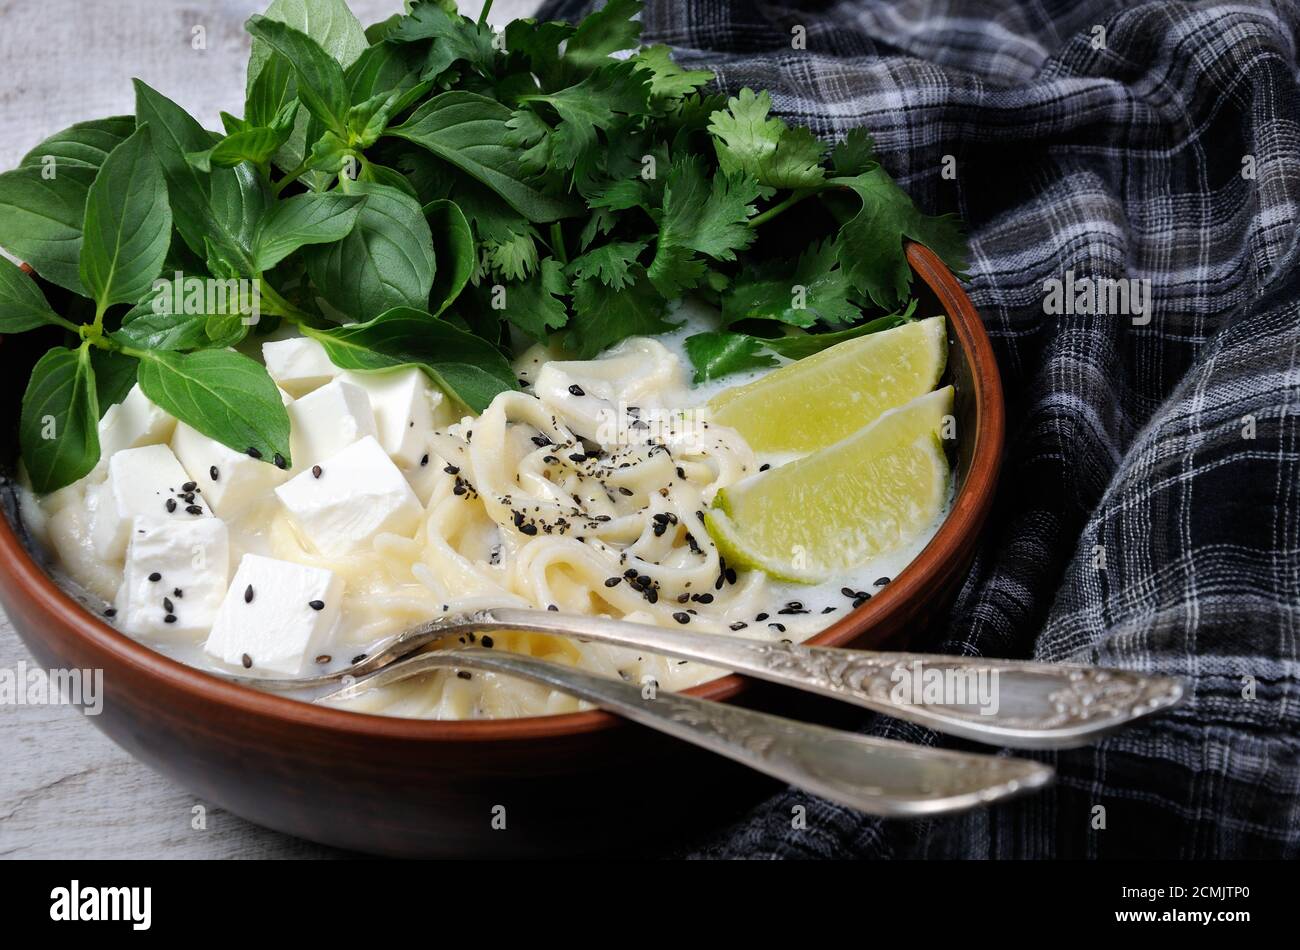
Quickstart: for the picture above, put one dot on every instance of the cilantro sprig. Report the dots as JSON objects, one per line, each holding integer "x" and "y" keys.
{"x": 430, "y": 192}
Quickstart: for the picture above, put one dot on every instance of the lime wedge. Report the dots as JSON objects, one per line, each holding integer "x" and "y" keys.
{"x": 843, "y": 505}
{"x": 828, "y": 396}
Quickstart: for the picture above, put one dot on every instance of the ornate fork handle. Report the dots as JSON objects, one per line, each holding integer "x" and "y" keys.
{"x": 873, "y": 775}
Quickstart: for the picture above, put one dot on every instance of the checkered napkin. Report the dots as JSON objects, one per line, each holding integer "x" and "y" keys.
{"x": 1148, "y": 516}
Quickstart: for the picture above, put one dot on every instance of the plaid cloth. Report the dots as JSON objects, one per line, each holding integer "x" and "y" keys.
{"x": 1148, "y": 516}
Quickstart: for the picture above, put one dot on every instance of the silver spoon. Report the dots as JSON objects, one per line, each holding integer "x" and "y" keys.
{"x": 1038, "y": 705}
{"x": 876, "y": 776}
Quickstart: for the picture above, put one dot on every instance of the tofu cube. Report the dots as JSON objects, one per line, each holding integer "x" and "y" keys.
{"x": 278, "y": 614}
{"x": 146, "y": 482}
{"x": 407, "y": 407}
{"x": 298, "y": 364}
{"x": 176, "y": 575}
{"x": 359, "y": 493}
{"x": 133, "y": 422}
{"x": 328, "y": 420}
{"x": 232, "y": 482}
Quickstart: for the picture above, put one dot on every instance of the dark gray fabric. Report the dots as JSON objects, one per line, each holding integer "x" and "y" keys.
{"x": 1149, "y": 512}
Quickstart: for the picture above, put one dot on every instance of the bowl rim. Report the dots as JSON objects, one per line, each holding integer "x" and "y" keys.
{"x": 967, "y": 514}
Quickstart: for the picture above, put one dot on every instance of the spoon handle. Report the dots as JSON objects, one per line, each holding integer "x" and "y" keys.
{"x": 1004, "y": 702}
{"x": 876, "y": 776}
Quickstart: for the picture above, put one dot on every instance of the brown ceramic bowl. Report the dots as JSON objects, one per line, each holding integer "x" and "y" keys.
{"x": 572, "y": 783}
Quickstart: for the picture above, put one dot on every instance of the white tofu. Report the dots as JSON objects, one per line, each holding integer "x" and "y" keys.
{"x": 406, "y": 409}
{"x": 298, "y": 365}
{"x": 176, "y": 569}
{"x": 268, "y": 616}
{"x": 328, "y": 420}
{"x": 241, "y": 481}
{"x": 359, "y": 493}
{"x": 141, "y": 482}
{"x": 133, "y": 422}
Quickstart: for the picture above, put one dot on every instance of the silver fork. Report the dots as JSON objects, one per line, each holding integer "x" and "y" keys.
{"x": 1025, "y": 705}
{"x": 876, "y": 776}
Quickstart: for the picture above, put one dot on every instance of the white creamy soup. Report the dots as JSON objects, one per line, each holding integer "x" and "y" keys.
{"x": 583, "y": 493}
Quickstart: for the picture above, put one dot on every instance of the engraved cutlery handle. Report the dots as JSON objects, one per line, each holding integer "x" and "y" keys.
{"x": 876, "y": 776}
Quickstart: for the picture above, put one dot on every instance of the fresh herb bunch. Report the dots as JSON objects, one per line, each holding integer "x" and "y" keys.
{"x": 429, "y": 192}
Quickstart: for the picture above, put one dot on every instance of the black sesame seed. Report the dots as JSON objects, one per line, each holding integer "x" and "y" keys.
{"x": 110, "y": 612}
{"x": 487, "y": 641}
{"x": 253, "y": 452}
{"x": 464, "y": 674}
{"x": 424, "y": 459}
{"x": 168, "y": 606}
{"x": 624, "y": 491}
{"x": 576, "y": 390}
{"x": 213, "y": 473}
{"x": 316, "y": 604}
{"x": 248, "y": 594}
{"x": 316, "y": 471}
{"x": 612, "y": 581}
{"x": 577, "y": 457}
{"x": 541, "y": 441}
{"x": 731, "y": 575}
{"x": 171, "y": 505}
{"x": 552, "y": 607}
{"x": 848, "y": 592}
{"x": 451, "y": 470}
{"x": 155, "y": 577}
{"x": 739, "y": 625}
{"x": 279, "y": 461}
{"x": 189, "y": 486}
{"x": 358, "y": 658}
{"x": 704, "y": 598}
{"x": 247, "y": 661}
{"x": 682, "y": 617}
{"x": 764, "y": 467}
{"x": 829, "y": 610}
{"x": 761, "y": 617}
{"x": 882, "y": 581}
{"x": 170, "y": 618}
{"x": 528, "y": 529}
{"x": 194, "y": 509}
{"x": 778, "y": 627}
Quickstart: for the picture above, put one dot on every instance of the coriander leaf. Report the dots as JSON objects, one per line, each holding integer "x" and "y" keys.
{"x": 871, "y": 243}
{"x": 321, "y": 86}
{"x": 223, "y": 394}
{"x": 386, "y": 261}
{"x": 128, "y": 224}
{"x": 515, "y": 257}
{"x": 58, "y": 428}
{"x": 855, "y": 155}
{"x": 602, "y": 316}
{"x": 85, "y": 144}
{"x": 467, "y": 368}
{"x": 610, "y": 263}
{"x": 611, "y": 29}
{"x": 700, "y": 216}
{"x": 669, "y": 81}
{"x": 454, "y": 250}
{"x": 816, "y": 288}
{"x": 722, "y": 352}
{"x": 114, "y": 376}
{"x": 456, "y": 38}
{"x": 301, "y": 220}
{"x": 469, "y": 131}
{"x": 22, "y": 305}
{"x": 538, "y": 44}
{"x": 534, "y": 305}
{"x": 766, "y": 148}
{"x": 41, "y": 220}
{"x": 594, "y": 103}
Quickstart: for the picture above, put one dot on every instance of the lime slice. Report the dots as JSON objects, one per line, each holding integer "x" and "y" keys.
{"x": 844, "y": 505}
{"x": 828, "y": 396}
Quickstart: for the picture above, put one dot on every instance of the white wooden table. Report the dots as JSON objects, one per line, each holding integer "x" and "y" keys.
{"x": 65, "y": 790}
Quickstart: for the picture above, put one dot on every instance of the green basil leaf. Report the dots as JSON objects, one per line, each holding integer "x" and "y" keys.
{"x": 198, "y": 313}
{"x": 465, "y": 366}
{"x": 145, "y": 329}
{"x": 114, "y": 376}
{"x": 722, "y": 352}
{"x": 385, "y": 67}
{"x": 224, "y": 330}
{"x": 385, "y": 262}
{"x": 470, "y": 132}
{"x": 223, "y": 394}
{"x": 128, "y": 224}
{"x": 256, "y": 144}
{"x": 22, "y": 305}
{"x": 59, "y": 427}
{"x": 274, "y": 89}
{"x": 454, "y": 246}
{"x": 301, "y": 220}
{"x": 85, "y": 144}
{"x": 382, "y": 175}
{"x": 41, "y": 220}
{"x": 321, "y": 86}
